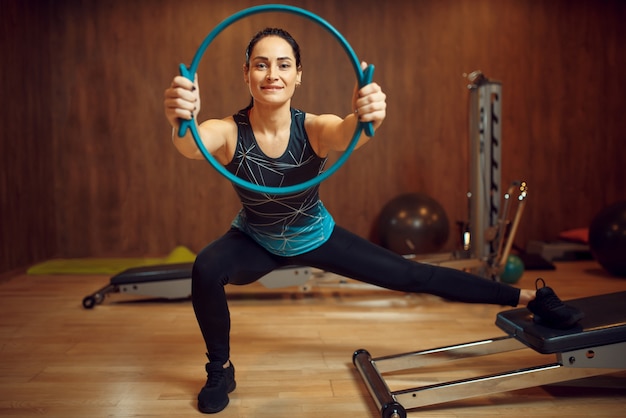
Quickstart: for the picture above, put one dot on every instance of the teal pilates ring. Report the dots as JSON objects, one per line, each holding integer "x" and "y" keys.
{"x": 363, "y": 78}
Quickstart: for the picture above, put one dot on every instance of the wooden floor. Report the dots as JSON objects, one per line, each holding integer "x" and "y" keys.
{"x": 292, "y": 351}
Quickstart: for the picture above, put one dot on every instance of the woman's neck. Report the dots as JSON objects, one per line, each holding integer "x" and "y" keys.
{"x": 270, "y": 120}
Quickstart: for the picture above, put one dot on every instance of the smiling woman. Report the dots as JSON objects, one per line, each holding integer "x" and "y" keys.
{"x": 270, "y": 146}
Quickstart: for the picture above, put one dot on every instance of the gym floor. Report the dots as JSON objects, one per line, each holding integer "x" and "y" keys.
{"x": 292, "y": 351}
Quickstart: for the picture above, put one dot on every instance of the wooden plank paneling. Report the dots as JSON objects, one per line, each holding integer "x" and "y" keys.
{"x": 120, "y": 188}
{"x": 27, "y": 207}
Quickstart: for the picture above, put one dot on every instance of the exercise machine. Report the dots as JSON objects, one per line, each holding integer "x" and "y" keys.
{"x": 487, "y": 237}
{"x": 173, "y": 281}
{"x": 596, "y": 346}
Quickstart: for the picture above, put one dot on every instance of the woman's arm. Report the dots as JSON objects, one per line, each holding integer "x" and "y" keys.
{"x": 182, "y": 101}
{"x": 332, "y": 133}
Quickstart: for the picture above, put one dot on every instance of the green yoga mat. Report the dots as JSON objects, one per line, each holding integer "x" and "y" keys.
{"x": 107, "y": 266}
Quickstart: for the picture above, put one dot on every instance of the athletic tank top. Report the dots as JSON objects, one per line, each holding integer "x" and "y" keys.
{"x": 285, "y": 225}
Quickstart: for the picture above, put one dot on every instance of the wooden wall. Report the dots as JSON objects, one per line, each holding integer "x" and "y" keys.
{"x": 88, "y": 168}
{"x": 28, "y": 227}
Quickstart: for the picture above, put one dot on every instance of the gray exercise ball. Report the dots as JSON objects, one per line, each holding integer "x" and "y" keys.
{"x": 413, "y": 223}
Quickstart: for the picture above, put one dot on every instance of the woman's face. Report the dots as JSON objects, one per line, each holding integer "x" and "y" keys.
{"x": 273, "y": 75}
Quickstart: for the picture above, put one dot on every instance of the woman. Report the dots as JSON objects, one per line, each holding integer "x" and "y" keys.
{"x": 272, "y": 144}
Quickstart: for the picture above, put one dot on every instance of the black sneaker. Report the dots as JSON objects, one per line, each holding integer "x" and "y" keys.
{"x": 219, "y": 383}
{"x": 550, "y": 311}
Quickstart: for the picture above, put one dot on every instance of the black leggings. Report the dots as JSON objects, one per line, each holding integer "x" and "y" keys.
{"x": 236, "y": 259}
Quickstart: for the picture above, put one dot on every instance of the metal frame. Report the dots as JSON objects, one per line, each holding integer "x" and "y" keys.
{"x": 568, "y": 365}
{"x": 485, "y": 135}
{"x": 487, "y": 237}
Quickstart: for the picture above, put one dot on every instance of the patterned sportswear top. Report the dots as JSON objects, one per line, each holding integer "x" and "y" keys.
{"x": 285, "y": 225}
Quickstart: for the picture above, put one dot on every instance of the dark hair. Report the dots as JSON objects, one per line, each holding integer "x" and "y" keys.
{"x": 281, "y": 33}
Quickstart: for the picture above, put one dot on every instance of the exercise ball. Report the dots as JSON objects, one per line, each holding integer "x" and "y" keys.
{"x": 513, "y": 269}
{"x": 607, "y": 238}
{"x": 413, "y": 223}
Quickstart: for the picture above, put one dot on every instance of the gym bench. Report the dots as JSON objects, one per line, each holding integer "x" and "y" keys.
{"x": 173, "y": 281}
{"x": 596, "y": 346}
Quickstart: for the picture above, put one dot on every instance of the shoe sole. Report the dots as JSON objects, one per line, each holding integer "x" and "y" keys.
{"x": 221, "y": 407}
{"x": 214, "y": 410}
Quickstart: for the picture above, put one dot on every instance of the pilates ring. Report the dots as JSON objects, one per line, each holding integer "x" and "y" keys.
{"x": 363, "y": 78}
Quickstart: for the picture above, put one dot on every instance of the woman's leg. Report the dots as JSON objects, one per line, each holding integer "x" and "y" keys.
{"x": 232, "y": 259}
{"x": 352, "y": 256}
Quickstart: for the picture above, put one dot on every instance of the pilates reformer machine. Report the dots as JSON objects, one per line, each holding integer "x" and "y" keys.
{"x": 596, "y": 346}
{"x": 486, "y": 240}
{"x": 173, "y": 281}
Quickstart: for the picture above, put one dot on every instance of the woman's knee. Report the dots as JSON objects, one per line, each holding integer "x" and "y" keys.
{"x": 234, "y": 258}
{"x": 209, "y": 268}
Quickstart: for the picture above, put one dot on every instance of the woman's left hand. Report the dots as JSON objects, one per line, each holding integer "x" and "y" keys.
{"x": 369, "y": 103}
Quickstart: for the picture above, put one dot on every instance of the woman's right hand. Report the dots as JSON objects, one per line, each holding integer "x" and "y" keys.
{"x": 182, "y": 100}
